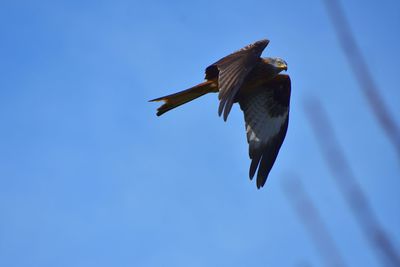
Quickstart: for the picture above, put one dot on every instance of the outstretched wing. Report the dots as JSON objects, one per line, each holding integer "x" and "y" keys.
{"x": 266, "y": 114}
{"x": 231, "y": 71}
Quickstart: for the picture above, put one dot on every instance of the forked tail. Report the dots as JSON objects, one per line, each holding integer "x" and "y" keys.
{"x": 180, "y": 98}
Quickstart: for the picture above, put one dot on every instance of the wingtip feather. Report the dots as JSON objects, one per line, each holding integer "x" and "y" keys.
{"x": 261, "y": 181}
{"x": 255, "y": 161}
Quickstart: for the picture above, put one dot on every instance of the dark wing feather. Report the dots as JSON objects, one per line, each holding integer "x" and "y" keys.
{"x": 266, "y": 114}
{"x": 231, "y": 71}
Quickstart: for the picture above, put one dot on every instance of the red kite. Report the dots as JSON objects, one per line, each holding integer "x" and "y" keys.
{"x": 262, "y": 93}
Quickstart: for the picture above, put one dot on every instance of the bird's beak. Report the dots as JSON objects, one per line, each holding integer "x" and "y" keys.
{"x": 282, "y": 66}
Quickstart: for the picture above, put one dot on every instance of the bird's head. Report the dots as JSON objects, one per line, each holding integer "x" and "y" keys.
{"x": 276, "y": 63}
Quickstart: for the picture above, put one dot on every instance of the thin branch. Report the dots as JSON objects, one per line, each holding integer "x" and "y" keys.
{"x": 313, "y": 222}
{"x": 348, "y": 185}
{"x": 362, "y": 73}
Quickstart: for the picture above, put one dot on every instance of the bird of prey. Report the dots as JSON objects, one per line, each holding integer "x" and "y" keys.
{"x": 262, "y": 93}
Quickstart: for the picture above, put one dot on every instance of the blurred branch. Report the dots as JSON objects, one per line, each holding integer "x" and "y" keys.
{"x": 362, "y": 73}
{"x": 313, "y": 222}
{"x": 348, "y": 184}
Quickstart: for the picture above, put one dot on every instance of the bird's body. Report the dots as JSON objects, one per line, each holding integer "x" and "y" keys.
{"x": 263, "y": 95}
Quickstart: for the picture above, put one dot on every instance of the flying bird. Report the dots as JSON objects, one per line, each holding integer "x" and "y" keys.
{"x": 262, "y": 93}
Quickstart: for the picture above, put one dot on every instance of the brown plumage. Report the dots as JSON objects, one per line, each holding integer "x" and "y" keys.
{"x": 263, "y": 95}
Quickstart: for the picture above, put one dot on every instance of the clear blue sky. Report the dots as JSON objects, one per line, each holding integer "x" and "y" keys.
{"x": 89, "y": 176}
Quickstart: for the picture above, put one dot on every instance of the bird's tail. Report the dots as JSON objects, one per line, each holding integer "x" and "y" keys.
{"x": 180, "y": 98}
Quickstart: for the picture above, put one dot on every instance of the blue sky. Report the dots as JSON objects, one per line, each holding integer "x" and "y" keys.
{"x": 89, "y": 176}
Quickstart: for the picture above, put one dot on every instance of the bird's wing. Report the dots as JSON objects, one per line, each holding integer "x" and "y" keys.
{"x": 266, "y": 114}
{"x": 232, "y": 70}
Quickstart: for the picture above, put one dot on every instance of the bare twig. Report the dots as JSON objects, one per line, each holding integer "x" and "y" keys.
{"x": 362, "y": 72}
{"x": 313, "y": 222}
{"x": 348, "y": 185}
